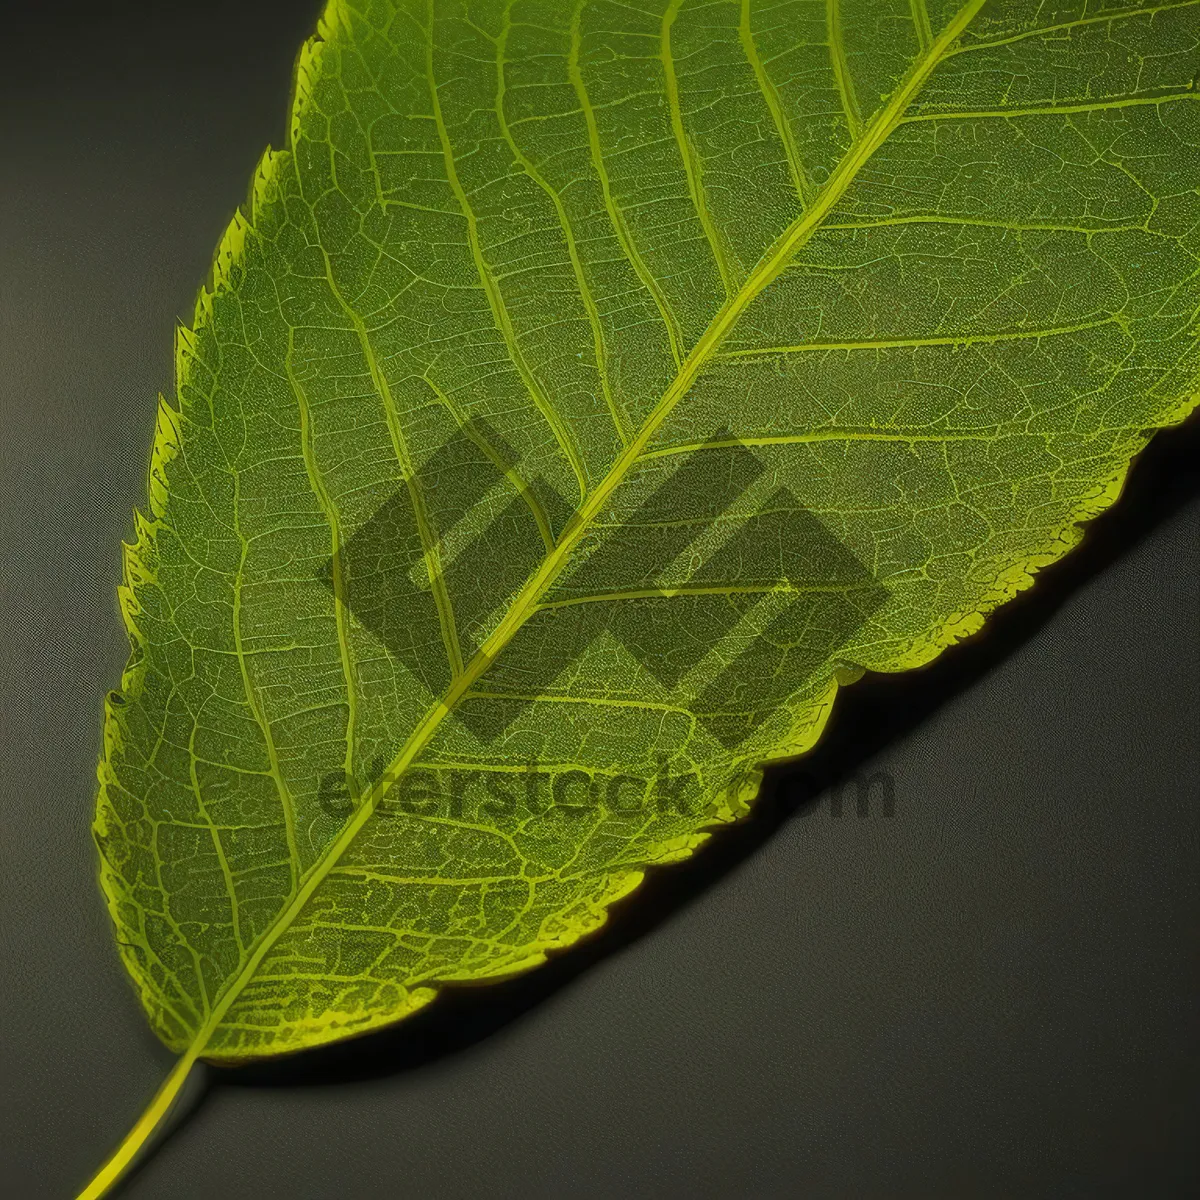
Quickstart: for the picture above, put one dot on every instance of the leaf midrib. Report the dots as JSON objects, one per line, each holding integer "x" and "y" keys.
{"x": 526, "y": 603}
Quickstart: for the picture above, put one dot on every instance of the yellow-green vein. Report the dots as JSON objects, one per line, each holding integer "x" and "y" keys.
{"x": 169, "y": 917}
{"x": 687, "y": 152}
{"x": 669, "y": 593}
{"x": 589, "y": 303}
{"x": 920, "y": 18}
{"x": 429, "y": 538}
{"x": 1063, "y": 27}
{"x": 615, "y": 216}
{"x": 337, "y": 565}
{"x": 960, "y": 339}
{"x": 985, "y": 223}
{"x": 841, "y": 68}
{"x": 771, "y": 98}
{"x": 260, "y": 717}
{"x": 507, "y": 469}
{"x": 826, "y": 435}
{"x": 1054, "y": 110}
{"x": 218, "y": 848}
{"x": 562, "y": 435}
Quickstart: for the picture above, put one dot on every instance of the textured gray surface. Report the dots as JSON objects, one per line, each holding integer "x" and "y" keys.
{"x": 990, "y": 994}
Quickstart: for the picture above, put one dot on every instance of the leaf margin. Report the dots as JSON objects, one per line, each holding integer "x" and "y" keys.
{"x": 138, "y": 561}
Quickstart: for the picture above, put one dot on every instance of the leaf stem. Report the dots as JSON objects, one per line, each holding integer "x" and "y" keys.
{"x": 147, "y": 1125}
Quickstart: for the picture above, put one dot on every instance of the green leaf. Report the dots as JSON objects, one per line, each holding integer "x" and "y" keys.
{"x": 591, "y": 390}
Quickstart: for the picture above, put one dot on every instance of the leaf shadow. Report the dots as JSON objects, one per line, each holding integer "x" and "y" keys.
{"x": 868, "y": 717}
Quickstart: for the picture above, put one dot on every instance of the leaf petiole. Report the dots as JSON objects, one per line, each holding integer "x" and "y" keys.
{"x": 147, "y": 1125}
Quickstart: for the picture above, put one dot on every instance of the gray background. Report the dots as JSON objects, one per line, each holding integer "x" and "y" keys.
{"x": 991, "y": 994}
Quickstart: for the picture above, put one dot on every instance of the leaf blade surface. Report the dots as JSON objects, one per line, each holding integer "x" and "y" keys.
{"x": 593, "y": 390}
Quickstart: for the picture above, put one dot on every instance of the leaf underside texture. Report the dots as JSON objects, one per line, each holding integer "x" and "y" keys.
{"x": 591, "y": 389}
